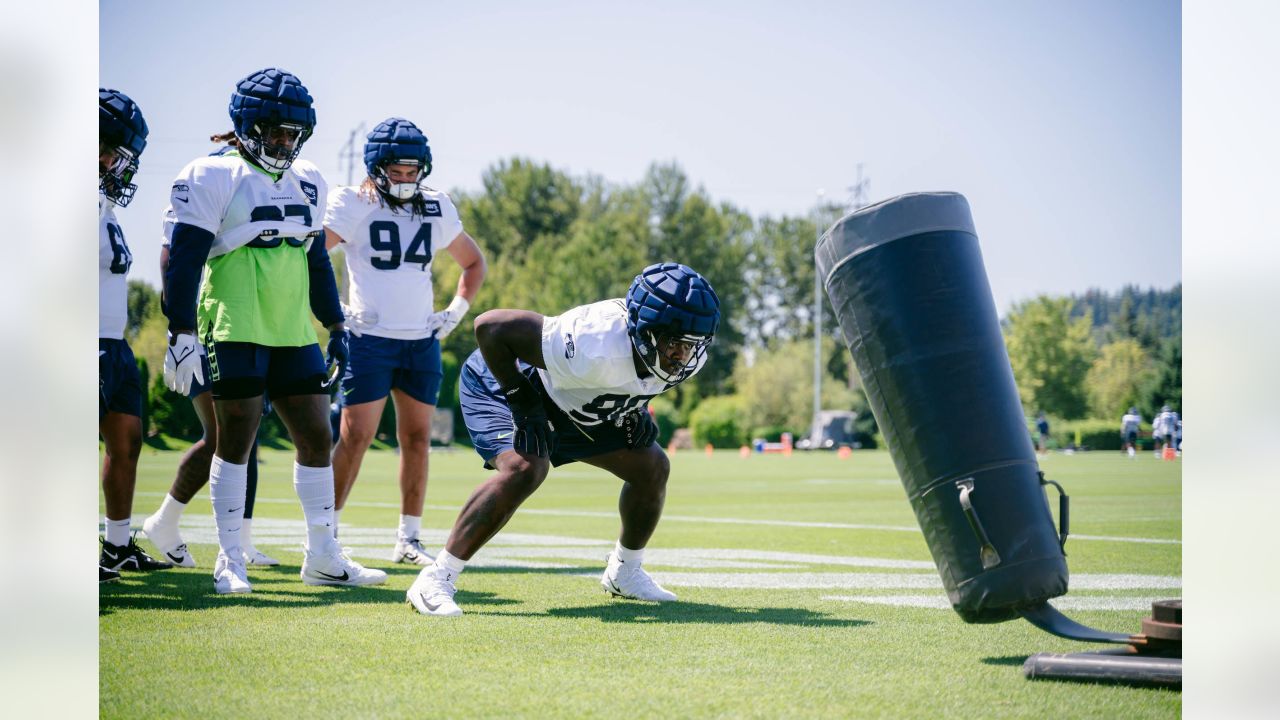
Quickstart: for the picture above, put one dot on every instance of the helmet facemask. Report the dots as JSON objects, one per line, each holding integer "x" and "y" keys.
{"x": 399, "y": 191}
{"x": 116, "y": 182}
{"x": 274, "y": 145}
{"x": 650, "y": 345}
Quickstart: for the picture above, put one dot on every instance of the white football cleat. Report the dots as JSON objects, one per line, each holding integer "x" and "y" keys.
{"x": 168, "y": 541}
{"x": 229, "y": 575}
{"x": 629, "y": 580}
{"x": 336, "y": 568}
{"x": 410, "y": 550}
{"x": 432, "y": 592}
{"x": 254, "y": 556}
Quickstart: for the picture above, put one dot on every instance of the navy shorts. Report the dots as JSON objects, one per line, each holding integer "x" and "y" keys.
{"x": 119, "y": 387}
{"x": 492, "y": 427}
{"x": 200, "y": 388}
{"x": 1131, "y": 437}
{"x": 240, "y": 370}
{"x": 379, "y": 364}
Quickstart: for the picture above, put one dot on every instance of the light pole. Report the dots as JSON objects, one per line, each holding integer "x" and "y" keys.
{"x": 815, "y": 427}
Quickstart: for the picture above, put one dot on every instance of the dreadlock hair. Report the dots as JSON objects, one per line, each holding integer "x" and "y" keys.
{"x": 228, "y": 137}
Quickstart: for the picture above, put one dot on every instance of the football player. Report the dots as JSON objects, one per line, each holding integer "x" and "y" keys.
{"x": 193, "y": 469}
{"x": 392, "y": 228}
{"x": 251, "y": 221}
{"x": 543, "y": 391}
{"x": 1129, "y": 425}
{"x": 122, "y": 136}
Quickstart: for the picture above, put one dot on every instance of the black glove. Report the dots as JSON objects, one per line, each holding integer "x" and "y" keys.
{"x": 339, "y": 356}
{"x": 534, "y": 433}
{"x": 640, "y": 428}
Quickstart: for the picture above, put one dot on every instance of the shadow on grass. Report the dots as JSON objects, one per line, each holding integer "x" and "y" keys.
{"x": 631, "y": 611}
{"x": 1006, "y": 660}
{"x": 273, "y": 587}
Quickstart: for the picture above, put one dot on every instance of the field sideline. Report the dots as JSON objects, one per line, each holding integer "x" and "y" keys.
{"x": 806, "y": 590}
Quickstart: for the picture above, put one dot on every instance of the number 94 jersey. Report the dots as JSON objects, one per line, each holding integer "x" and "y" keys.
{"x": 389, "y": 251}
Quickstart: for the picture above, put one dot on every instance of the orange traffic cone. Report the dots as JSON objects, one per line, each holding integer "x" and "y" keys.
{"x": 844, "y": 452}
{"x": 710, "y": 450}
{"x": 1169, "y": 453}
{"x": 744, "y": 451}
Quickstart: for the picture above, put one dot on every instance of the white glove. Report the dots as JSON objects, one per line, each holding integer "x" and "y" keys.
{"x": 182, "y": 363}
{"x": 447, "y": 319}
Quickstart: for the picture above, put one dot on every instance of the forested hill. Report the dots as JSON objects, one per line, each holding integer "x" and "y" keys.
{"x": 1149, "y": 316}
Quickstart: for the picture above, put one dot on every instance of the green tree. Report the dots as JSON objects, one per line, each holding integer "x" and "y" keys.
{"x": 144, "y": 302}
{"x": 1165, "y": 386}
{"x": 1050, "y": 354}
{"x": 1117, "y": 377}
{"x": 777, "y": 389}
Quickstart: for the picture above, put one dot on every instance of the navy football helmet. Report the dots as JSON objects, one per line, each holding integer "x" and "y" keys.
{"x": 672, "y": 303}
{"x": 272, "y": 114}
{"x": 122, "y": 129}
{"x": 396, "y": 141}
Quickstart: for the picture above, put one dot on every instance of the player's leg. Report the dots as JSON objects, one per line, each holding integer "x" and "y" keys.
{"x": 120, "y": 425}
{"x": 363, "y": 396}
{"x": 239, "y": 381}
{"x": 644, "y": 473}
{"x": 252, "y": 555}
{"x": 517, "y": 476}
{"x": 296, "y": 383}
{"x": 193, "y": 472}
{"x": 416, "y": 389}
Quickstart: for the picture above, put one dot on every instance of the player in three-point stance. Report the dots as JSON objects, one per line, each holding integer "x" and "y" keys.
{"x": 122, "y": 135}
{"x": 252, "y": 221}
{"x": 391, "y": 228}
{"x": 543, "y": 391}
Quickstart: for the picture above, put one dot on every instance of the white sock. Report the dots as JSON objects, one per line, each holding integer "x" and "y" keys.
{"x": 451, "y": 563}
{"x": 117, "y": 531}
{"x": 314, "y": 486}
{"x": 227, "y": 484}
{"x": 246, "y": 534}
{"x": 409, "y": 526}
{"x": 170, "y": 512}
{"x": 626, "y": 555}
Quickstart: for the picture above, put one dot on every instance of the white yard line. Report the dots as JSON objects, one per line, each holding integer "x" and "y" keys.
{"x": 705, "y": 520}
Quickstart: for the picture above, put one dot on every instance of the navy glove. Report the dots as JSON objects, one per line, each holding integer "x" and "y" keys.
{"x": 339, "y": 357}
{"x": 640, "y": 429}
{"x": 534, "y": 433}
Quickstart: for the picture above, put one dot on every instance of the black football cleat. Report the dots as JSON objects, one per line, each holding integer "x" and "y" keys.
{"x": 106, "y": 576}
{"x": 129, "y": 558}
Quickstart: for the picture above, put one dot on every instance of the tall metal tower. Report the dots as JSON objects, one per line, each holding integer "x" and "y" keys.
{"x": 349, "y": 154}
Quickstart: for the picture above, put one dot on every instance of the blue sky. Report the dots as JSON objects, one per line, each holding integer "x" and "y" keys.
{"x": 1061, "y": 122}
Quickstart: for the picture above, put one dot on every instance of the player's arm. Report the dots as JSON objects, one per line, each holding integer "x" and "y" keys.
{"x": 467, "y": 254}
{"x": 331, "y": 238}
{"x": 505, "y": 336}
{"x": 323, "y": 285}
{"x": 188, "y": 252}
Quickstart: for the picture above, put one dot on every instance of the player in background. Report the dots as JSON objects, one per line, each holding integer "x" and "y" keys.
{"x": 1165, "y": 427}
{"x": 193, "y": 469}
{"x": 543, "y": 391}
{"x": 1042, "y": 428}
{"x": 1129, "y": 425}
{"x": 122, "y": 136}
{"x": 392, "y": 228}
{"x": 251, "y": 220}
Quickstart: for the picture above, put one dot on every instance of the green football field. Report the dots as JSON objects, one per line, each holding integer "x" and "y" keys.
{"x": 806, "y": 590}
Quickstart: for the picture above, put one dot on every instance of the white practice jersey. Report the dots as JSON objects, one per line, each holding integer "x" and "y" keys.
{"x": 1130, "y": 422}
{"x": 240, "y": 204}
{"x": 590, "y": 371}
{"x": 114, "y": 260}
{"x": 1165, "y": 423}
{"x": 389, "y": 252}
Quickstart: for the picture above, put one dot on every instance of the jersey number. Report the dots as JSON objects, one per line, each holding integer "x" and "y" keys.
{"x": 608, "y": 407}
{"x": 121, "y": 258}
{"x": 272, "y": 213}
{"x": 384, "y": 237}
